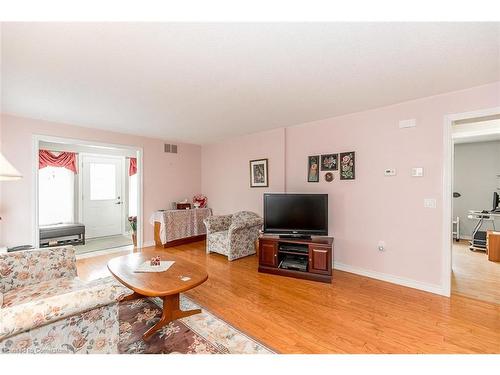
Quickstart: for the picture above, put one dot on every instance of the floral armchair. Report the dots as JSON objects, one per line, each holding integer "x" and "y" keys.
{"x": 233, "y": 235}
{"x": 46, "y": 308}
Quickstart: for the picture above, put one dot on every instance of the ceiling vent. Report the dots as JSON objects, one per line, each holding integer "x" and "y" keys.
{"x": 170, "y": 148}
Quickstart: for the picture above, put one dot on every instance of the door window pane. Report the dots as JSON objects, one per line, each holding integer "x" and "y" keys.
{"x": 102, "y": 181}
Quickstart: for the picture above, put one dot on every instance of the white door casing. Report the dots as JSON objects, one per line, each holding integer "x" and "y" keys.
{"x": 102, "y": 195}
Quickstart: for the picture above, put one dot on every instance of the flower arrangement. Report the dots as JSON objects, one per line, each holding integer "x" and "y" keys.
{"x": 132, "y": 220}
{"x": 199, "y": 201}
{"x": 155, "y": 261}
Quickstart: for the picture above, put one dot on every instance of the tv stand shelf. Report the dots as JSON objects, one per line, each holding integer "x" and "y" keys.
{"x": 318, "y": 254}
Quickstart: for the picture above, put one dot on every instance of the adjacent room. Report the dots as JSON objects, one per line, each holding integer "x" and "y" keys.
{"x": 476, "y": 210}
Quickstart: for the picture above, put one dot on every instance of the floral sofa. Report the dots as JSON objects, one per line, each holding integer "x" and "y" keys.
{"x": 46, "y": 308}
{"x": 233, "y": 235}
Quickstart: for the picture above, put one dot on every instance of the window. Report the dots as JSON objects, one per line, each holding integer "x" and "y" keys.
{"x": 56, "y": 189}
{"x": 102, "y": 181}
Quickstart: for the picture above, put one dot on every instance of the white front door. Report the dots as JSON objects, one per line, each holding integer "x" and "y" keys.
{"x": 102, "y": 203}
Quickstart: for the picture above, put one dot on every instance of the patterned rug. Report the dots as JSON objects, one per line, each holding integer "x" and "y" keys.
{"x": 198, "y": 334}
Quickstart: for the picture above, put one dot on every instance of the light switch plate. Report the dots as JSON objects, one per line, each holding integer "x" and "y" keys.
{"x": 417, "y": 172}
{"x": 390, "y": 172}
{"x": 430, "y": 203}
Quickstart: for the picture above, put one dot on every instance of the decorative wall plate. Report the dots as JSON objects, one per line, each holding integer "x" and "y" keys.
{"x": 329, "y": 177}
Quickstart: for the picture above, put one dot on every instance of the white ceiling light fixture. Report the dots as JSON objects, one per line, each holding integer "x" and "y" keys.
{"x": 7, "y": 170}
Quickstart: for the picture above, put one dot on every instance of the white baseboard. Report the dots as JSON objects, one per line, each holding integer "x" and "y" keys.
{"x": 97, "y": 253}
{"x": 148, "y": 244}
{"x": 410, "y": 283}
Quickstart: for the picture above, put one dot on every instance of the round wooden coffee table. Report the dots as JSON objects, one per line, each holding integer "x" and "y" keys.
{"x": 166, "y": 285}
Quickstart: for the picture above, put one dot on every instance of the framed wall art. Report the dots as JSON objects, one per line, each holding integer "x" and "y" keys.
{"x": 329, "y": 162}
{"x": 347, "y": 166}
{"x": 313, "y": 168}
{"x": 259, "y": 173}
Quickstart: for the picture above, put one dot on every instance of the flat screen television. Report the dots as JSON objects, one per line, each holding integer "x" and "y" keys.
{"x": 296, "y": 215}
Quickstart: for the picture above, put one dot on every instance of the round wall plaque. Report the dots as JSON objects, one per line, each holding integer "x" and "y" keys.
{"x": 329, "y": 177}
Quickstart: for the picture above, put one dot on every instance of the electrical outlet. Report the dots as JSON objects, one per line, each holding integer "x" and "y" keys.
{"x": 390, "y": 172}
{"x": 381, "y": 246}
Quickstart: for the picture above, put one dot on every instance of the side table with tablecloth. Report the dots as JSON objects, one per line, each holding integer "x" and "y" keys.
{"x": 175, "y": 227}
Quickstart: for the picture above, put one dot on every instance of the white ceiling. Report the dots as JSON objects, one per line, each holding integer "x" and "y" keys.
{"x": 201, "y": 83}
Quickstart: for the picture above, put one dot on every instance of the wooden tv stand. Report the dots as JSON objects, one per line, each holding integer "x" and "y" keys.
{"x": 318, "y": 252}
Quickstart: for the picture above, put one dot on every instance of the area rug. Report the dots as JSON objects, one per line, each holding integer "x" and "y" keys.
{"x": 202, "y": 333}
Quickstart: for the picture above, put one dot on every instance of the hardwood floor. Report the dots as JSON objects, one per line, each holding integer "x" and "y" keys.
{"x": 354, "y": 314}
{"x": 474, "y": 275}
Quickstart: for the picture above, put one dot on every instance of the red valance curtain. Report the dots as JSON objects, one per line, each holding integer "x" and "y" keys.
{"x": 132, "y": 169}
{"x": 64, "y": 159}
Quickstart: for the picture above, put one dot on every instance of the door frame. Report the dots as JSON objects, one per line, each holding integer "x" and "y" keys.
{"x": 447, "y": 214}
{"x": 37, "y": 138}
{"x": 122, "y": 190}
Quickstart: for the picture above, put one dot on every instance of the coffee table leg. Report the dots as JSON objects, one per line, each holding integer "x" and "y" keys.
{"x": 131, "y": 297}
{"x": 171, "y": 311}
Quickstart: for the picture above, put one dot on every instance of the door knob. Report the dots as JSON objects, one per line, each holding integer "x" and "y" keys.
{"x": 118, "y": 203}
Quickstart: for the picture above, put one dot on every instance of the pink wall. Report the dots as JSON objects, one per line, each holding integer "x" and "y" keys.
{"x": 225, "y": 170}
{"x": 372, "y": 207}
{"x": 166, "y": 177}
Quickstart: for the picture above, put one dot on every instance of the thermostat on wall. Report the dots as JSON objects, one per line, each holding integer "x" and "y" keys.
{"x": 417, "y": 172}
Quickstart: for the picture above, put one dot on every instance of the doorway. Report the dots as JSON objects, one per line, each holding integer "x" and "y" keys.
{"x": 473, "y": 182}
{"x": 87, "y": 195}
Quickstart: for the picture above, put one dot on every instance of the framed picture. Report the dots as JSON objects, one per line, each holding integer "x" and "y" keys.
{"x": 347, "y": 166}
{"x": 329, "y": 162}
{"x": 313, "y": 169}
{"x": 258, "y": 173}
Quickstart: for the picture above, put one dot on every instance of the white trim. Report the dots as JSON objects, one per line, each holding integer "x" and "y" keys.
{"x": 410, "y": 283}
{"x": 37, "y": 138}
{"x": 447, "y": 213}
{"x": 34, "y": 202}
{"x": 149, "y": 244}
{"x": 113, "y": 250}
{"x": 140, "y": 203}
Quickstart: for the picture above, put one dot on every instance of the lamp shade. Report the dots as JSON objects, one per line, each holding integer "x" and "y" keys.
{"x": 7, "y": 171}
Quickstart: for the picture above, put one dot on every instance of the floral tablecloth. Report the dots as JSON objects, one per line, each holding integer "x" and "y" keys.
{"x": 177, "y": 224}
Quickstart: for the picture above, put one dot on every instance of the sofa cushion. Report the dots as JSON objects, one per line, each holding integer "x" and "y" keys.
{"x": 61, "y": 230}
{"x": 1, "y": 300}
{"x": 45, "y": 289}
{"x": 73, "y": 299}
{"x": 31, "y": 267}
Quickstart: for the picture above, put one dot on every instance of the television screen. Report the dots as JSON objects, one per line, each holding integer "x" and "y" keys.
{"x": 301, "y": 214}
